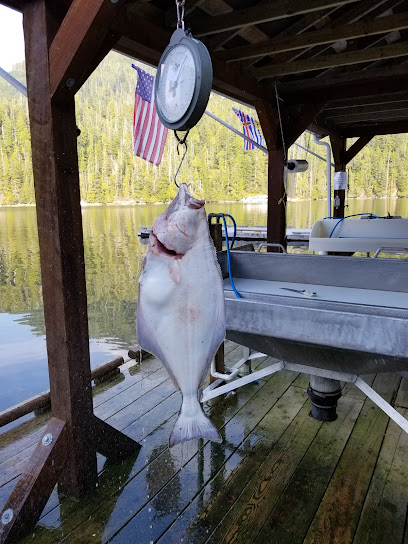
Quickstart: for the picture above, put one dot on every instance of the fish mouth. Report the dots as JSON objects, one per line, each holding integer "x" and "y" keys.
{"x": 164, "y": 249}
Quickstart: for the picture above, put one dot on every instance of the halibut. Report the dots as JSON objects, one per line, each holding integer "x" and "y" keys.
{"x": 180, "y": 311}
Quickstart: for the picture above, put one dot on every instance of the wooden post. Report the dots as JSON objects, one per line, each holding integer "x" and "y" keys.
{"x": 216, "y": 235}
{"x": 56, "y": 182}
{"x": 276, "y": 219}
{"x": 75, "y": 433}
{"x": 339, "y": 154}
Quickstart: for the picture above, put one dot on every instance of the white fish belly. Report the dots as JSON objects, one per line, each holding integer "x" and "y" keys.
{"x": 181, "y": 313}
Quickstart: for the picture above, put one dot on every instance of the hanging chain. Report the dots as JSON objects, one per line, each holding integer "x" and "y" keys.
{"x": 180, "y": 13}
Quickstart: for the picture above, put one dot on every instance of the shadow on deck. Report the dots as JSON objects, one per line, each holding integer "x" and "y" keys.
{"x": 278, "y": 477}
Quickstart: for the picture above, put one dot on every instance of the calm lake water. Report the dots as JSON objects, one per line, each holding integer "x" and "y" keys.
{"x": 113, "y": 257}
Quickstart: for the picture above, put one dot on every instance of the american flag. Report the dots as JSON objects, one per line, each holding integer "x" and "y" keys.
{"x": 250, "y": 128}
{"x": 149, "y": 134}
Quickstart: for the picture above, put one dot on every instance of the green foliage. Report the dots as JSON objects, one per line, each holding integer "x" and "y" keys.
{"x": 216, "y": 165}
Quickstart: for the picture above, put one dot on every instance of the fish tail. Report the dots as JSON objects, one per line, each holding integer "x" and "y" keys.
{"x": 192, "y": 423}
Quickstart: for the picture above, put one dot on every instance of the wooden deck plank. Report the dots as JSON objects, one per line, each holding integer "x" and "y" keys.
{"x": 279, "y": 476}
{"x": 383, "y": 517}
{"x": 215, "y": 499}
{"x": 20, "y": 438}
{"x": 133, "y": 374}
{"x": 15, "y": 456}
{"x": 249, "y": 512}
{"x": 291, "y": 517}
{"x": 154, "y": 446}
{"x": 402, "y": 396}
{"x": 247, "y": 408}
{"x": 337, "y": 517}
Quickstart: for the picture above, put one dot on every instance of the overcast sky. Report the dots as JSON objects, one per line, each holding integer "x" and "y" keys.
{"x": 11, "y": 37}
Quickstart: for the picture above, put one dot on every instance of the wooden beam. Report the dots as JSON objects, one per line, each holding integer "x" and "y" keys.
{"x": 351, "y": 104}
{"x": 31, "y": 492}
{"x": 78, "y": 39}
{"x": 305, "y": 115}
{"x": 56, "y": 183}
{"x": 310, "y": 39}
{"x": 398, "y": 127}
{"x": 351, "y": 15}
{"x": 373, "y": 41}
{"x": 276, "y": 220}
{"x": 301, "y": 25}
{"x": 375, "y": 116}
{"x": 366, "y": 9}
{"x": 110, "y": 442}
{"x": 216, "y": 235}
{"x": 330, "y": 61}
{"x": 345, "y": 86}
{"x": 281, "y": 9}
{"x": 367, "y": 105}
{"x": 170, "y": 18}
{"x": 357, "y": 147}
{"x": 339, "y": 149}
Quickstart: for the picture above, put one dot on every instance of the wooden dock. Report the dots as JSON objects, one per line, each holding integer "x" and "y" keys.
{"x": 278, "y": 477}
{"x": 294, "y": 237}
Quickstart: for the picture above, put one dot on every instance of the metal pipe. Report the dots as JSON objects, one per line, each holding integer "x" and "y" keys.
{"x": 13, "y": 81}
{"x": 312, "y": 152}
{"x": 220, "y": 375}
{"x": 223, "y": 123}
{"x": 328, "y": 171}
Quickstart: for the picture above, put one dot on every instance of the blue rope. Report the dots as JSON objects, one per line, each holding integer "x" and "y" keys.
{"x": 222, "y": 215}
{"x": 347, "y": 216}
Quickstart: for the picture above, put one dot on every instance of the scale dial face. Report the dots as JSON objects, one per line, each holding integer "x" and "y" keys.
{"x": 177, "y": 83}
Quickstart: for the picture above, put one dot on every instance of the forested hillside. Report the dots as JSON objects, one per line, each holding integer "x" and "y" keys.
{"x": 216, "y": 165}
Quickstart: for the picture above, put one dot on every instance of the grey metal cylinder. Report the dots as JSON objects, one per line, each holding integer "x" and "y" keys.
{"x": 324, "y": 394}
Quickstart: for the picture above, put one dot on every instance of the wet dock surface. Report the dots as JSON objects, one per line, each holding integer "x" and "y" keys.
{"x": 278, "y": 477}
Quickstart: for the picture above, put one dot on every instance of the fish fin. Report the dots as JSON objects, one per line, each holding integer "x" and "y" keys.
{"x": 193, "y": 425}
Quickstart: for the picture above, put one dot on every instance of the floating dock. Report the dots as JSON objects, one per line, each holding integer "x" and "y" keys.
{"x": 278, "y": 476}
{"x": 295, "y": 237}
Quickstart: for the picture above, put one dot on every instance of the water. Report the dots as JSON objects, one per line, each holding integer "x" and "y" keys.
{"x": 113, "y": 256}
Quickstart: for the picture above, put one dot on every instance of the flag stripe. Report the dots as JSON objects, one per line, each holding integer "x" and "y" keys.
{"x": 250, "y": 128}
{"x": 149, "y": 134}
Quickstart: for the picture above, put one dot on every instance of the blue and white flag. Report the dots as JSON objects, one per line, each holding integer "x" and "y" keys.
{"x": 250, "y": 128}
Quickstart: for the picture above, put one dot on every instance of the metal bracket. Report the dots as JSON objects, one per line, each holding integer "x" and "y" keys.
{"x": 214, "y": 391}
{"x": 391, "y": 250}
{"x": 269, "y": 244}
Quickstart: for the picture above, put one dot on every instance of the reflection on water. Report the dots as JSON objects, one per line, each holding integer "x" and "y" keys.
{"x": 113, "y": 256}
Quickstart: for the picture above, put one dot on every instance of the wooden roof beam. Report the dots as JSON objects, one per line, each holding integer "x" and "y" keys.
{"x": 340, "y": 59}
{"x": 350, "y": 104}
{"x": 78, "y": 40}
{"x": 398, "y": 127}
{"x": 357, "y": 147}
{"x": 377, "y": 117}
{"x": 361, "y": 112}
{"x": 293, "y": 128}
{"x": 280, "y": 9}
{"x": 310, "y": 39}
{"x": 13, "y": 4}
{"x": 297, "y": 27}
{"x": 364, "y": 10}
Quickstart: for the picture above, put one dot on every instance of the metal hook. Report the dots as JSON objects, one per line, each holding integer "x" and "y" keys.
{"x": 181, "y": 162}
